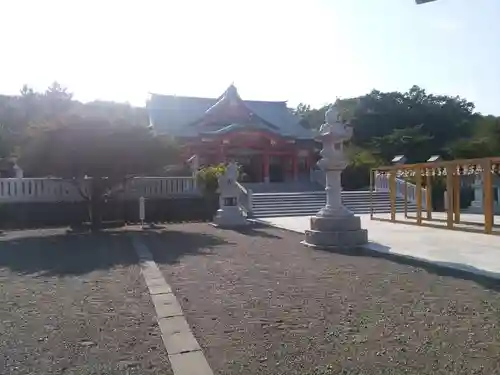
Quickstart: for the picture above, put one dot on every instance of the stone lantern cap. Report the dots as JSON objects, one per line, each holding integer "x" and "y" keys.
{"x": 434, "y": 158}
{"x": 399, "y": 159}
{"x": 335, "y": 126}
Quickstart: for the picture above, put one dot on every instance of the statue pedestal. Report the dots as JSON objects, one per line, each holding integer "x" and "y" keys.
{"x": 334, "y": 226}
{"x": 229, "y": 214}
{"x": 336, "y": 232}
{"x": 229, "y": 217}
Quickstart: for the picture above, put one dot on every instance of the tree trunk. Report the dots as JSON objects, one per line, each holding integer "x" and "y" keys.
{"x": 96, "y": 201}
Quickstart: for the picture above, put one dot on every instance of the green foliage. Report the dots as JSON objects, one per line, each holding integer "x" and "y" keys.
{"x": 54, "y": 135}
{"x": 414, "y": 123}
{"x": 208, "y": 177}
{"x": 4, "y": 142}
{"x": 357, "y": 174}
{"x": 18, "y": 114}
{"x": 95, "y": 147}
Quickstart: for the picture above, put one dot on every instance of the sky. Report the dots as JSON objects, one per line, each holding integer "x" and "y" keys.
{"x": 309, "y": 51}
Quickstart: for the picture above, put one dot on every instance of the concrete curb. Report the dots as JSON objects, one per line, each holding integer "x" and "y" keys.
{"x": 185, "y": 354}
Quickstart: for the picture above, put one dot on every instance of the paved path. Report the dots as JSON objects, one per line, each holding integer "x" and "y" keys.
{"x": 471, "y": 252}
{"x": 184, "y": 352}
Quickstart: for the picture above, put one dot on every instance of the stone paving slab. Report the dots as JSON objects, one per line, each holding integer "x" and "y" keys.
{"x": 183, "y": 350}
{"x": 470, "y": 252}
{"x": 159, "y": 289}
{"x": 177, "y": 336}
{"x": 192, "y": 363}
{"x": 166, "y": 305}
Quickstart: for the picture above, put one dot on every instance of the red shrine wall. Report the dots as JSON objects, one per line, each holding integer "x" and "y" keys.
{"x": 265, "y": 157}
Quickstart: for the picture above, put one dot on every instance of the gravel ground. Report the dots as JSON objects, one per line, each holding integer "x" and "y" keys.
{"x": 75, "y": 304}
{"x": 261, "y": 303}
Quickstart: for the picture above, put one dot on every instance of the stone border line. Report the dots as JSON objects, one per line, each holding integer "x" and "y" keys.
{"x": 184, "y": 352}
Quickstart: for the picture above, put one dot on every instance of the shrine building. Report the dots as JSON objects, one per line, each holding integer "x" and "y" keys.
{"x": 262, "y": 136}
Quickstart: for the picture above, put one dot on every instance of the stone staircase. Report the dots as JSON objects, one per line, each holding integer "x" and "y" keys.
{"x": 309, "y": 202}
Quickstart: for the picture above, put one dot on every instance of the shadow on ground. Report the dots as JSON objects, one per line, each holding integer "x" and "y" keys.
{"x": 490, "y": 280}
{"x": 61, "y": 253}
{"x": 169, "y": 246}
{"x": 253, "y": 231}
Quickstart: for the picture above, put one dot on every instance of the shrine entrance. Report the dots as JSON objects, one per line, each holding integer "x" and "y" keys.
{"x": 263, "y": 156}
{"x": 251, "y": 166}
{"x": 277, "y": 169}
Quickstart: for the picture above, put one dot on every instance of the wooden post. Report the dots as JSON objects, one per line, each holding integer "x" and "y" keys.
{"x": 488, "y": 197}
{"x": 371, "y": 192}
{"x": 295, "y": 167}
{"x": 392, "y": 193}
{"x": 418, "y": 197}
{"x": 406, "y": 197}
{"x": 456, "y": 196}
{"x": 266, "y": 167}
{"x": 428, "y": 195}
{"x": 449, "y": 197}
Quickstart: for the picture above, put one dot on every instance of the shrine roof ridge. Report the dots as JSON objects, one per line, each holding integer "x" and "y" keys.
{"x": 178, "y": 115}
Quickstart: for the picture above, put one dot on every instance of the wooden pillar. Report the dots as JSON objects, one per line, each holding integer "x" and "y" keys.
{"x": 456, "y": 196}
{"x": 295, "y": 166}
{"x": 265, "y": 166}
{"x": 449, "y": 197}
{"x": 372, "y": 172}
{"x": 406, "y": 198}
{"x": 428, "y": 195}
{"x": 418, "y": 193}
{"x": 392, "y": 193}
{"x": 488, "y": 197}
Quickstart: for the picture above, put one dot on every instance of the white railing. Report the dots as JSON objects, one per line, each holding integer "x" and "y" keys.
{"x": 159, "y": 187}
{"x": 39, "y": 190}
{"x": 60, "y": 190}
{"x": 382, "y": 184}
{"x": 245, "y": 199}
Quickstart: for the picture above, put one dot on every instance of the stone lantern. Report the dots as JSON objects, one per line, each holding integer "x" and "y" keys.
{"x": 334, "y": 226}
{"x": 229, "y": 213}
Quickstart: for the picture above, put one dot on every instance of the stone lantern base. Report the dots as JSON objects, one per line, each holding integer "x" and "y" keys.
{"x": 229, "y": 217}
{"x": 336, "y": 232}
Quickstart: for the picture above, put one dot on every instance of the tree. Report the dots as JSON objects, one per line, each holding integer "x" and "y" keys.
{"x": 483, "y": 142}
{"x": 414, "y": 123}
{"x": 108, "y": 150}
{"x": 310, "y": 118}
{"x": 4, "y": 142}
